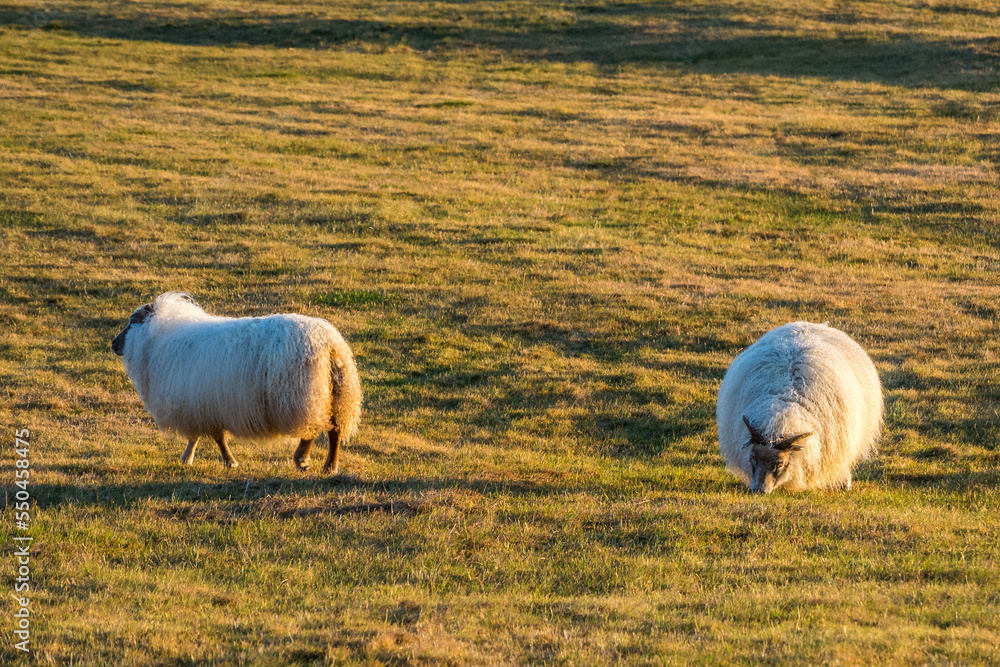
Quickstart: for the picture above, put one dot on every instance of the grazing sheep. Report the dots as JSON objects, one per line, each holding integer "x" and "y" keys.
{"x": 798, "y": 408}
{"x": 253, "y": 377}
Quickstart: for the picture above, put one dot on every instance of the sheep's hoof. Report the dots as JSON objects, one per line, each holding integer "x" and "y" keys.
{"x": 185, "y": 461}
{"x": 303, "y": 464}
{"x": 329, "y": 470}
{"x": 232, "y": 464}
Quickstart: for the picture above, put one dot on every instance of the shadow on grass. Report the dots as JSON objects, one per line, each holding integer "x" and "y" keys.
{"x": 957, "y": 481}
{"x": 707, "y": 39}
{"x": 606, "y": 407}
{"x": 395, "y": 490}
{"x": 958, "y": 220}
{"x": 618, "y": 421}
{"x": 975, "y": 386}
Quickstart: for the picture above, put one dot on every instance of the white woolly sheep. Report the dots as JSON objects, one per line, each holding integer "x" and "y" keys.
{"x": 252, "y": 377}
{"x": 798, "y": 409}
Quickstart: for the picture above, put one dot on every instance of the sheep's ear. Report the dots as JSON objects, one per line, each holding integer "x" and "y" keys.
{"x": 788, "y": 444}
{"x": 755, "y": 435}
{"x": 187, "y": 297}
{"x": 141, "y": 314}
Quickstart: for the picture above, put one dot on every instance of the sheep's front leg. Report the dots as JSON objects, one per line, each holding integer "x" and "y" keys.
{"x": 227, "y": 455}
{"x": 302, "y": 459}
{"x": 187, "y": 458}
{"x": 845, "y": 481}
{"x": 331, "y": 458}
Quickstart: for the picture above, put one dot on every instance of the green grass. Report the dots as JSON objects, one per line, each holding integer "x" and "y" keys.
{"x": 353, "y": 298}
{"x": 546, "y": 228}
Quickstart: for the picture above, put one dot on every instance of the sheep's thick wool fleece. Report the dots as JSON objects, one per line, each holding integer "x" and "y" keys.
{"x": 199, "y": 374}
{"x": 798, "y": 378}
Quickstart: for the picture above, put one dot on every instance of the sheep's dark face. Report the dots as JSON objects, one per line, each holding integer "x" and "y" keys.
{"x": 770, "y": 460}
{"x": 769, "y": 468}
{"x": 138, "y": 318}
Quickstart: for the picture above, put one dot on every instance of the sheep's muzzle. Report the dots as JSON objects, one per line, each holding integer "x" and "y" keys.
{"x": 118, "y": 343}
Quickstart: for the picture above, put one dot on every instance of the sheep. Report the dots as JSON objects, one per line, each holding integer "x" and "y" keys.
{"x": 798, "y": 408}
{"x": 252, "y": 377}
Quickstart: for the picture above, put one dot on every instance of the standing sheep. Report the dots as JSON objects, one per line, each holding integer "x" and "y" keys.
{"x": 252, "y": 377}
{"x": 798, "y": 408}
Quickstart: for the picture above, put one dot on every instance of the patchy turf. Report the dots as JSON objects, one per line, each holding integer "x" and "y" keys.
{"x": 546, "y": 228}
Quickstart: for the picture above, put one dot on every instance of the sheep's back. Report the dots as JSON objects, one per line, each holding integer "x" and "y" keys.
{"x": 847, "y": 390}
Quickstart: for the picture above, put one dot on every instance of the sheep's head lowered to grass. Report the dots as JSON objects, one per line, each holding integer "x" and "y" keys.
{"x": 811, "y": 400}
{"x": 252, "y": 377}
{"x": 770, "y": 460}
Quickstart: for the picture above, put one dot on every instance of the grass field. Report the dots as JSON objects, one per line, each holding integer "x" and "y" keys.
{"x": 546, "y": 228}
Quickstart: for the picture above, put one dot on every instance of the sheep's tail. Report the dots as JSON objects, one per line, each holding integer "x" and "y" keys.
{"x": 345, "y": 395}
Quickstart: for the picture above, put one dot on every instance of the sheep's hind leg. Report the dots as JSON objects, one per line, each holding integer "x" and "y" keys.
{"x": 187, "y": 458}
{"x": 331, "y": 458}
{"x": 302, "y": 459}
{"x": 227, "y": 455}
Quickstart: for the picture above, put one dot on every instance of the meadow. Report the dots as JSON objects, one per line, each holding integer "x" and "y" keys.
{"x": 546, "y": 228}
